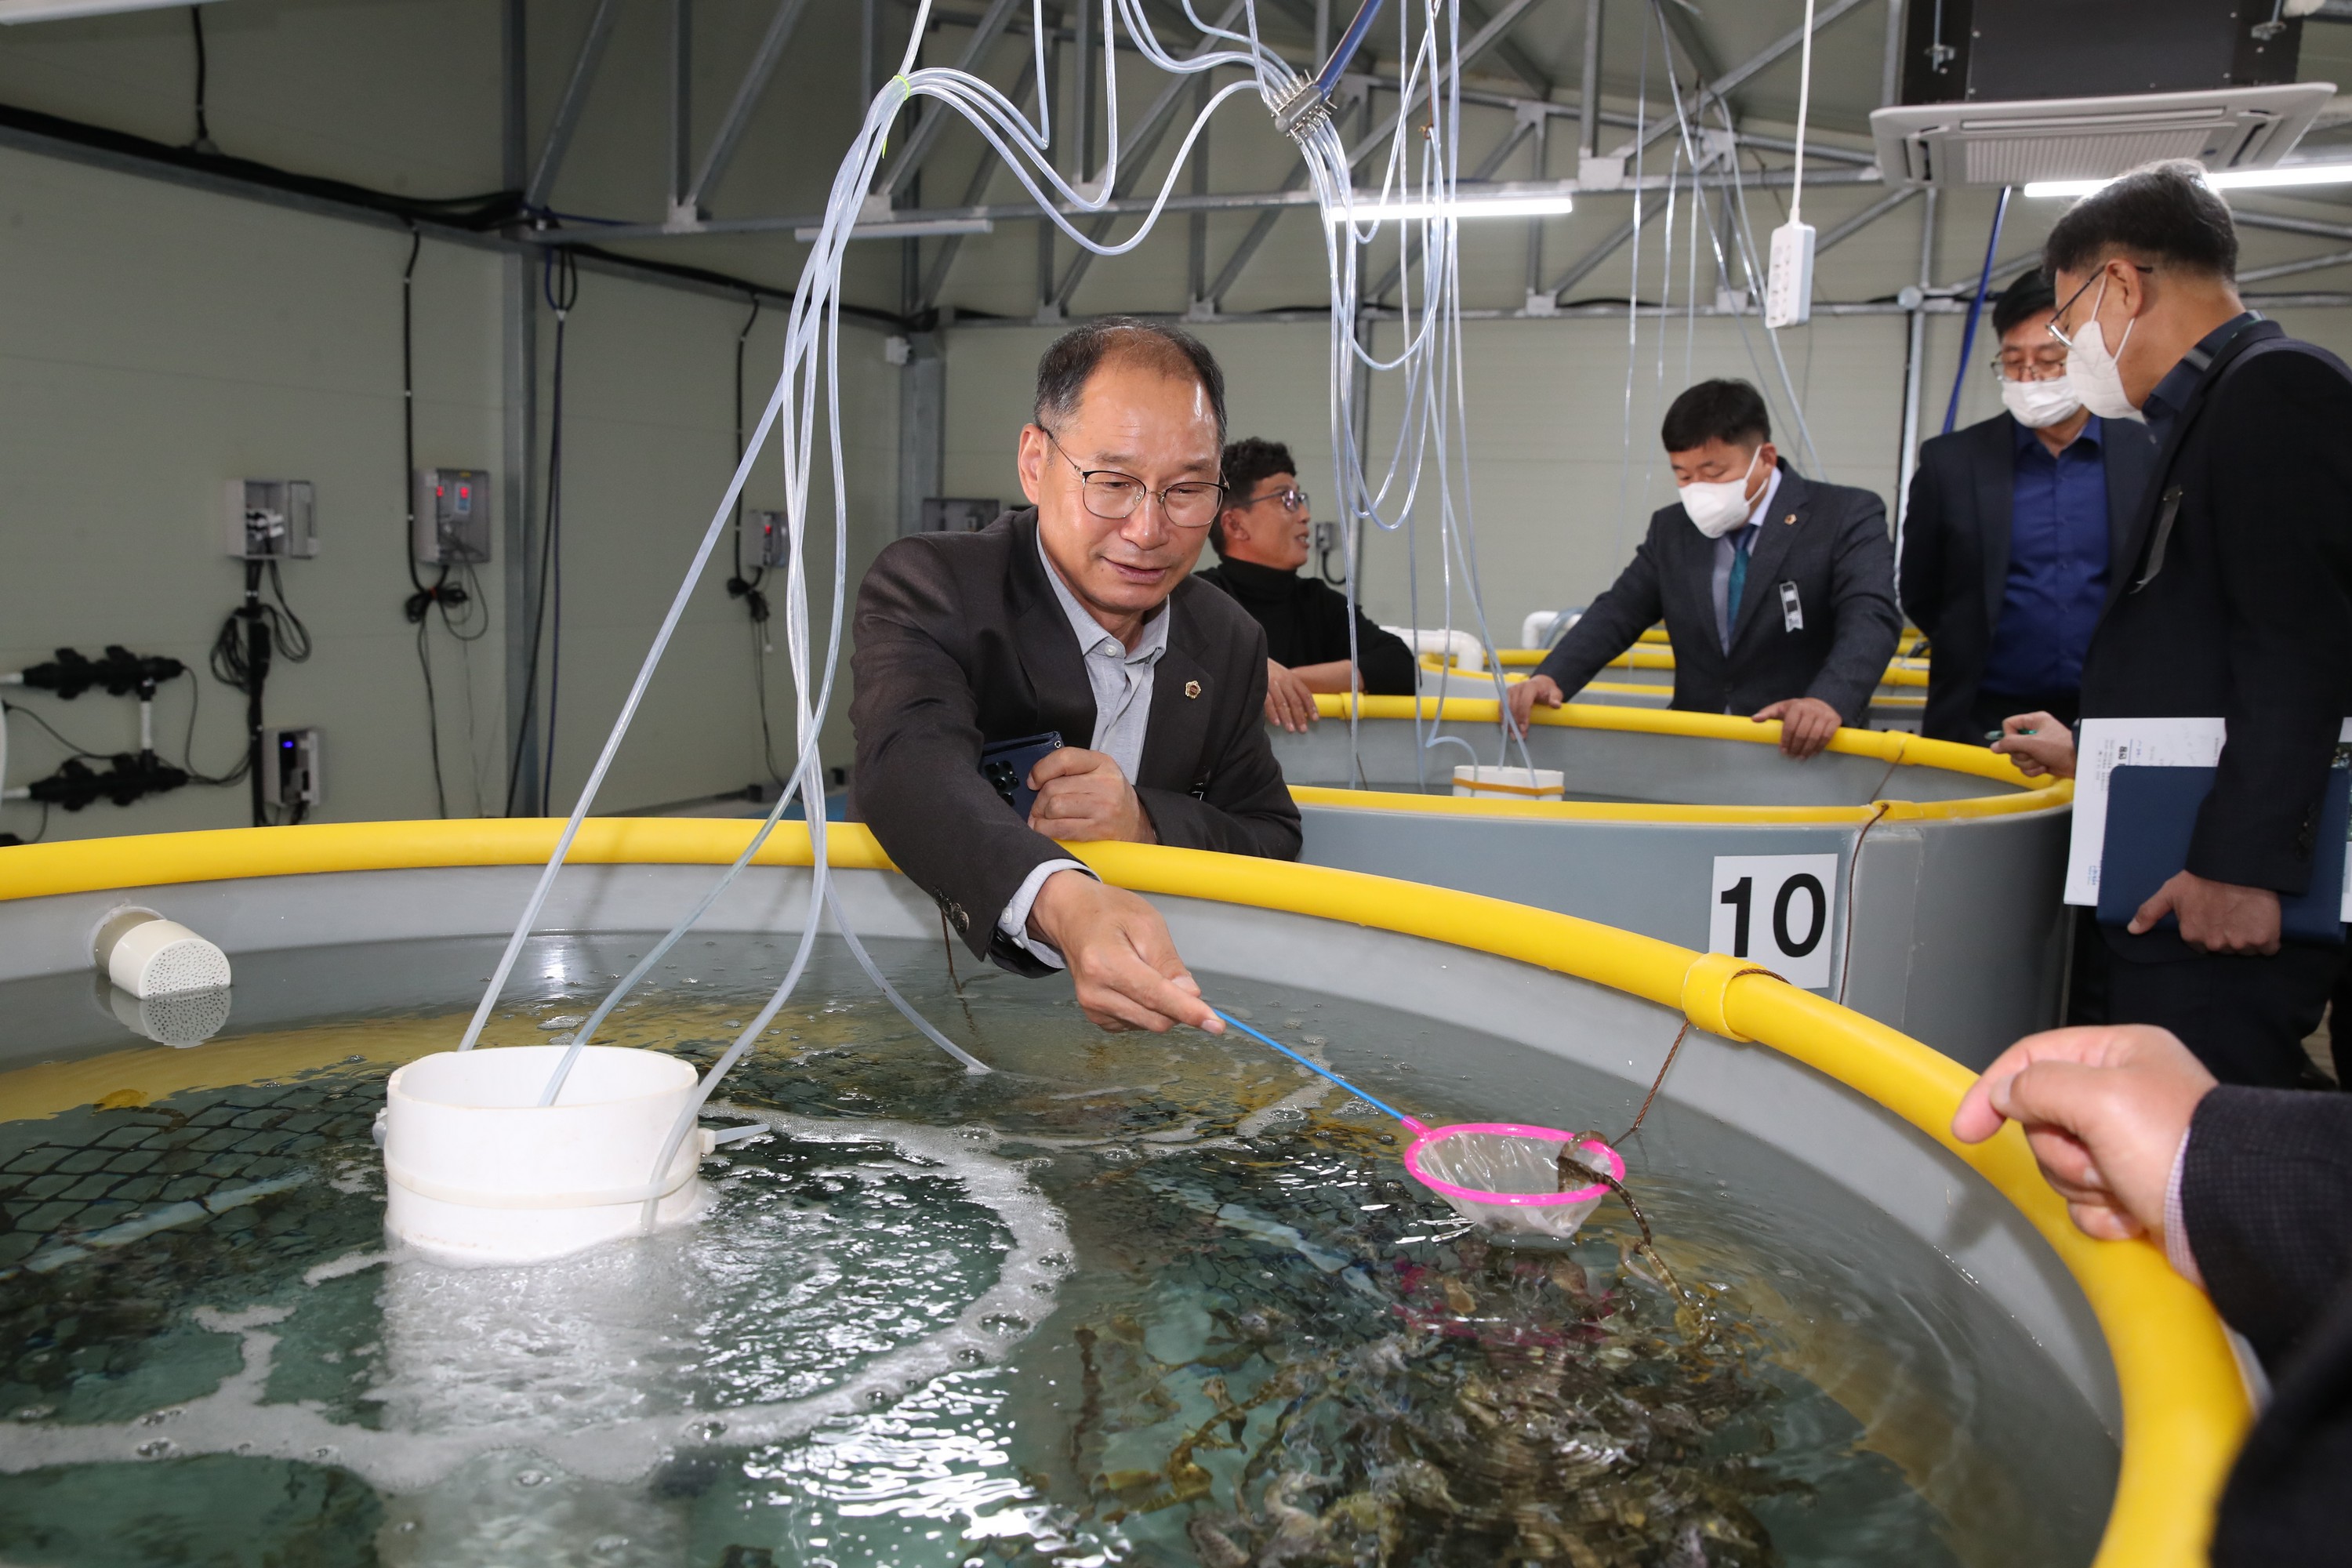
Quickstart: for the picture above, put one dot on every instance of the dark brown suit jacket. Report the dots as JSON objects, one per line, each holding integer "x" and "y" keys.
{"x": 962, "y": 643}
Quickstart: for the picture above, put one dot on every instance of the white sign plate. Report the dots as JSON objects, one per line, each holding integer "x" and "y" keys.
{"x": 1779, "y": 911}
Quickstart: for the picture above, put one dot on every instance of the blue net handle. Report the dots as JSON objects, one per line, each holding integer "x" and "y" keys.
{"x": 1321, "y": 1070}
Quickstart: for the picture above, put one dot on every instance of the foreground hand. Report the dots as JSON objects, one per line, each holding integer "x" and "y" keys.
{"x": 1082, "y": 797}
{"x": 1524, "y": 697}
{"x": 2038, "y": 744}
{"x": 2104, "y": 1111}
{"x": 2215, "y": 917}
{"x": 1289, "y": 702}
{"x": 1121, "y": 954}
{"x": 1806, "y": 725}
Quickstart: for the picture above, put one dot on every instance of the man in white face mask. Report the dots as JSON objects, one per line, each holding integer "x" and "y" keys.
{"x": 1777, "y": 591}
{"x": 2234, "y": 603}
{"x": 2012, "y": 533}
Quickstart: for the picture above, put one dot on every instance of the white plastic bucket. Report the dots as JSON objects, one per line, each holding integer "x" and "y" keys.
{"x": 477, "y": 1171}
{"x": 1511, "y": 783}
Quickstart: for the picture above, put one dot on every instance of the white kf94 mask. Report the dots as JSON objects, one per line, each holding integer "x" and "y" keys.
{"x": 1717, "y": 508}
{"x": 2091, "y": 371}
{"x": 2038, "y": 405}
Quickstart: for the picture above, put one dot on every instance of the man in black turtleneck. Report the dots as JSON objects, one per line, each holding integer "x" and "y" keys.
{"x": 1262, "y": 540}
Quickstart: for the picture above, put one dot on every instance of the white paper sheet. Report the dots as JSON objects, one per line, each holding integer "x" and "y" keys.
{"x": 2105, "y": 744}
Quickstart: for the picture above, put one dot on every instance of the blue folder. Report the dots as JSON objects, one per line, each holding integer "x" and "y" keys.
{"x": 2151, "y": 815}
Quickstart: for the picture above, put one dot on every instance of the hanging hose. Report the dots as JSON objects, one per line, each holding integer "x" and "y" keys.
{"x": 1975, "y": 304}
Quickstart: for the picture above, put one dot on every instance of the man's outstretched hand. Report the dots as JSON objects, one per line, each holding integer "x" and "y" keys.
{"x": 1526, "y": 694}
{"x": 1806, "y": 725}
{"x": 2104, "y": 1111}
{"x": 1119, "y": 952}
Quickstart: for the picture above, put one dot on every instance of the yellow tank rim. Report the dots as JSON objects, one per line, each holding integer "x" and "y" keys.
{"x": 2185, "y": 1407}
{"x": 1656, "y": 653}
{"x": 1889, "y": 746}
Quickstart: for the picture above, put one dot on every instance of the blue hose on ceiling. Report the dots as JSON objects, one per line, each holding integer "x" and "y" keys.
{"x": 1976, "y": 305}
{"x": 1345, "y": 51}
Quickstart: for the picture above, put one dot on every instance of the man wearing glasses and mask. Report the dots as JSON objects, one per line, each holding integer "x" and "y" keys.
{"x": 1262, "y": 541}
{"x": 2236, "y": 602}
{"x": 2014, "y": 532}
{"x": 1073, "y": 620}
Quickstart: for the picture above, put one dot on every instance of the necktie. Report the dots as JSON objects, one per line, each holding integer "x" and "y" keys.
{"x": 1740, "y": 548}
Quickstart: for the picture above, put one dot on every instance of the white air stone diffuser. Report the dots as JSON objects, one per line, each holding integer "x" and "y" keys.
{"x": 148, "y": 955}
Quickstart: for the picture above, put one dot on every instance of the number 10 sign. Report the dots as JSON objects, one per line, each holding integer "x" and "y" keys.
{"x": 1778, "y": 910}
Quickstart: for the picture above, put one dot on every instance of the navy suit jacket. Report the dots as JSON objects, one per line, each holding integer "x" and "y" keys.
{"x": 1955, "y": 566}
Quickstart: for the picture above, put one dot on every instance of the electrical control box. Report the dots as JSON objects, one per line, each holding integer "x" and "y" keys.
{"x": 958, "y": 514}
{"x": 773, "y": 534}
{"x": 290, "y": 767}
{"x": 453, "y": 517}
{"x": 1789, "y": 284}
{"x": 269, "y": 519}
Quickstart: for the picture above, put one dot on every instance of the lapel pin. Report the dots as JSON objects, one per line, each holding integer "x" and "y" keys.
{"x": 1789, "y": 519}
{"x": 1191, "y": 688}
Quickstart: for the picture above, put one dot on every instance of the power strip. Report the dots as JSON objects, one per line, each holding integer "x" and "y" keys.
{"x": 1789, "y": 287}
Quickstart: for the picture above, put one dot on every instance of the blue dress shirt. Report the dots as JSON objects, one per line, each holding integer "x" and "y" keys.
{"x": 2057, "y": 567}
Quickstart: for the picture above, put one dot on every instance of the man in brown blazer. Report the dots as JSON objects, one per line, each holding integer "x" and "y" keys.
{"x": 1075, "y": 616}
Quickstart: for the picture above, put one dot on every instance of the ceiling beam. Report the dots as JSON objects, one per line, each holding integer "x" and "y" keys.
{"x": 747, "y": 97}
{"x": 1137, "y": 158}
{"x": 1477, "y": 44}
{"x": 1510, "y": 51}
{"x": 935, "y": 114}
{"x": 1863, "y": 219}
{"x": 936, "y": 279}
{"x": 1484, "y": 171}
{"x": 568, "y": 108}
{"x": 1591, "y": 260}
{"x": 1731, "y": 81}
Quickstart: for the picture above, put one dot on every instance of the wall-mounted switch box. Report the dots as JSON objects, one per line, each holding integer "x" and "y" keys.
{"x": 290, "y": 766}
{"x": 772, "y": 531}
{"x": 452, "y": 516}
{"x": 270, "y": 519}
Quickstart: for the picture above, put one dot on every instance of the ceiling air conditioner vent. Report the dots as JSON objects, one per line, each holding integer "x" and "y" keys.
{"x": 1949, "y": 144}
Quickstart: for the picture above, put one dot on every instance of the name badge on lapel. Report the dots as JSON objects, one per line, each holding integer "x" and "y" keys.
{"x": 1792, "y": 611}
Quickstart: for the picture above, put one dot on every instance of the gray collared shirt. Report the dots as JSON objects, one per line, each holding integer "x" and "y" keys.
{"x": 1121, "y": 679}
{"x": 1122, "y": 682}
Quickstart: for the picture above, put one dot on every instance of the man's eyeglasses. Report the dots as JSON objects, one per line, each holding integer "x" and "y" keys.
{"x": 2046, "y": 364}
{"x": 1114, "y": 497}
{"x": 2098, "y": 277}
{"x": 1292, "y": 499}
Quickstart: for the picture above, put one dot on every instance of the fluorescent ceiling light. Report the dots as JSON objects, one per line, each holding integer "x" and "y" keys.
{"x": 2277, "y": 174}
{"x": 921, "y": 228}
{"x": 15, "y": 11}
{"x": 1460, "y": 207}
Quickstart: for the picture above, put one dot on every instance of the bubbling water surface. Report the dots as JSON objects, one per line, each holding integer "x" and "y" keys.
{"x": 1125, "y": 1300}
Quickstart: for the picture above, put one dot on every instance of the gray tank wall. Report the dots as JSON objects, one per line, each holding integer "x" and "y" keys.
{"x": 1952, "y": 931}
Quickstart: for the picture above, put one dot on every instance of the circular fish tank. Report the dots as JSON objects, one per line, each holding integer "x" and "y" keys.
{"x": 1122, "y": 1299}
{"x": 1917, "y": 881}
